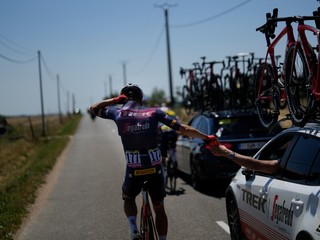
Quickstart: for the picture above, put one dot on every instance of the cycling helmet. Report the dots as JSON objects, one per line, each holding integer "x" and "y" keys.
{"x": 132, "y": 92}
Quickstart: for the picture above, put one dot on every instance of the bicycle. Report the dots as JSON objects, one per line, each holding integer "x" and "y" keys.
{"x": 299, "y": 89}
{"x": 211, "y": 85}
{"x": 246, "y": 79}
{"x": 303, "y": 73}
{"x": 233, "y": 91}
{"x": 270, "y": 90}
{"x": 171, "y": 165}
{"x": 148, "y": 229}
{"x": 188, "y": 90}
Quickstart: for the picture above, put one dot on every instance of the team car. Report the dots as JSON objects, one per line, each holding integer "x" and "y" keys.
{"x": 239, "y": 130}
{"x": 284, "y": 205}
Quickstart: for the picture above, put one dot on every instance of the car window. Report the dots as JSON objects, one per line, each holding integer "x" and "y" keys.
{"x": 302, "y": 158}
{"x": 238, "y": 126}
{"x": 277, "y": 148}
{"x": 314, "y": 175}
{"x": 203, "y": 125}
{"x": 195, "y": 122}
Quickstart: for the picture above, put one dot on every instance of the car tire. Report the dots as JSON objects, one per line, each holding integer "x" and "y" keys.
{"x": 234, "y": 218}
{"x": 304, "y": 236}
{"x": 195, "y": 180}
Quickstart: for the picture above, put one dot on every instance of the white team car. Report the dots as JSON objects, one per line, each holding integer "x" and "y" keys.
{"x": 285, "y": 205}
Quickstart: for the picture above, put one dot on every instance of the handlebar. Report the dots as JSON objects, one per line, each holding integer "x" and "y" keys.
{"x": 269, "y": 27}
{"x": 271, "y": 24}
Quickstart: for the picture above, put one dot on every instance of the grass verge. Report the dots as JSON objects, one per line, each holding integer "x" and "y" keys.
{"x": 24, "y": 170}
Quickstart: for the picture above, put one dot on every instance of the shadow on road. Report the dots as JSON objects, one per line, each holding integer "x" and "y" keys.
{"x": 177, "y": 192}
{"x": 213, "y": 187}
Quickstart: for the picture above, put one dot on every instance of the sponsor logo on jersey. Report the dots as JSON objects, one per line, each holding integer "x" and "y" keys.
{"x": 138, "y": 127}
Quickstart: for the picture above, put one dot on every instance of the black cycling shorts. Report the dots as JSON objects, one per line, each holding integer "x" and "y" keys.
{"x": 132, "y": 185}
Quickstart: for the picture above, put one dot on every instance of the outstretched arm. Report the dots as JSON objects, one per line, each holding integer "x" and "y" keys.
{"x": 95, "y": 108}
{"x": 189, "y": 131}
{"x": 267, "y": 166}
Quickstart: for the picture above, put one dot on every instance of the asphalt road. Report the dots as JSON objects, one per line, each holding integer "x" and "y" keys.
{"x": 82, "y": 198}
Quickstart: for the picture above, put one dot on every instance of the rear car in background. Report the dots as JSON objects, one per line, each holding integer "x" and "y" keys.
{"x": 283, "y": 205}
{"x": 239, "y": 130}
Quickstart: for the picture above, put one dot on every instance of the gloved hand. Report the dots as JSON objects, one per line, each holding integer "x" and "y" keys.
{"x": 211, "y": 141}
{"x": 120, "y": 99}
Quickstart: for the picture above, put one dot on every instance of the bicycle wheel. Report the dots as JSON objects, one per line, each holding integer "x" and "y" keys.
{"x": 216, "y": 92}
{"x": 147, "y": 226}
{"x": 186, "y": 99}
{"x": 298, "y": 86}
{"x": 171, "y": 176}
{"x": 151, "y": 229}
{"x": 268, "y": 101}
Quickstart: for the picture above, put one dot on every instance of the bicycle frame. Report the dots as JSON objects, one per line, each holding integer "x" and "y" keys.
{"x": 302, "y": 39}
{"x": 146, "y": 217}
{"x": 288, "y": 31}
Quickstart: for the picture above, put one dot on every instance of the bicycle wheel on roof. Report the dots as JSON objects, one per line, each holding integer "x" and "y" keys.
{"x": 298, "y": 86}
{"x": 268, "y": 96}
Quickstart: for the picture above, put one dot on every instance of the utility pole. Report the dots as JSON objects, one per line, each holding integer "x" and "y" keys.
{"x": 105, "y": 88}
{"x": 124, "y": 72}
{"x": 58, "y": 91}
{"x": 68, "y": 103}
{"x": 110, "y": 82}
{"x": 41, "y": 96}
{"x": 165, "y": 7}
{"x": 73, "y": 103}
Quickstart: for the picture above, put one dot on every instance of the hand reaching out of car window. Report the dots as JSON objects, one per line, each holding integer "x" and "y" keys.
{"x": 266, "y": 166}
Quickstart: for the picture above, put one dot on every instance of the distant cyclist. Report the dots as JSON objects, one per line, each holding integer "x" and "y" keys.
{"x": 137, "y": 127}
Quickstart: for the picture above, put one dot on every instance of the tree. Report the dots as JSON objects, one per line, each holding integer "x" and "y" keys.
{"x": 157, "y": 97}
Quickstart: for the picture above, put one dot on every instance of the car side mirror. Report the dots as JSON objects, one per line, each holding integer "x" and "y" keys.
{"x": 248, "y": 173}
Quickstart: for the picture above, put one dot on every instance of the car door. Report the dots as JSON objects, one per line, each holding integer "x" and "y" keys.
{"x": 183, "y": 148}
{"x": 255, "y": 199}
{"x": 294, "y": 195}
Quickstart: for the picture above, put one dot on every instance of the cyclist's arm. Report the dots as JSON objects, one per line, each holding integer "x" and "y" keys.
{"x": 97, "y": 107}
{"x": 266, "y": 166}
{"x": 189, "y": 131}
{"x": 183, "y": 129}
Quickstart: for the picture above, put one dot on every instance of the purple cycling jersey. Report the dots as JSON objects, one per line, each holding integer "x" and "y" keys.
{"x": 138, "y": 128}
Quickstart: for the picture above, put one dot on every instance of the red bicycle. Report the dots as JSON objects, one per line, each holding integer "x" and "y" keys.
{"x": 148, "y": 229}
{"x": 270, "y": 76}
{"x": 302, "y": 72}
{"x": 297, "y": 83}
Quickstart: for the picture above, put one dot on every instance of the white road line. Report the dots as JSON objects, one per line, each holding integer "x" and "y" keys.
{"x": 224, "y": 226}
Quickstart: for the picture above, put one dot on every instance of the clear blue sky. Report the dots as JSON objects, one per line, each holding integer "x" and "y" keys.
{"x": 86, "y": 42}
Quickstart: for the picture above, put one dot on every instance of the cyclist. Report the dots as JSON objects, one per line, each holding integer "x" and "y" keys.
{"x": 92, "y": 114}
{"x": 137, "y": 127}
{"x": 168, "y": 137}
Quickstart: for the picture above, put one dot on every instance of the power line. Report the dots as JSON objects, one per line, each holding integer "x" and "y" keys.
{"x": 14, "y": 46}
{"x": 11, "y": 48}
{"x": 214, "y": 16}
{"x": 152, "y": 52}
{"x": 18, "y": 61}
{"x": 50, "y": 74}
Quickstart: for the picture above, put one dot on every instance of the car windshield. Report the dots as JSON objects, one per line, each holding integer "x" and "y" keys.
{"x": 240, "y": 126}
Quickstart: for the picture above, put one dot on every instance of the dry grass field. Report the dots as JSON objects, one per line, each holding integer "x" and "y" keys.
{"x": 26, "y": 156}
